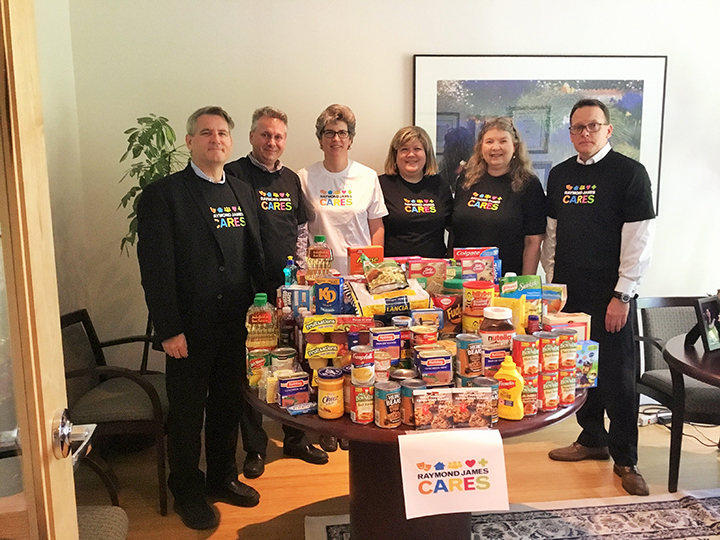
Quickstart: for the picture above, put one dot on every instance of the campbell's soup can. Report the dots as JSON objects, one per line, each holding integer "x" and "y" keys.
{"x": 549, "y": 351}
{"x": 530, "y": 395}
{"x": 362, "y": 354}
{"x": 362, "y": 403}
{"x": 548, "y": 393}
{"x": 387, "y": 404}
{"x": 494, "y": 385}
{"x": 477, "y": 295}
{"x": 567, "y": 347}
{"x": 424, "y": 335}
{"x": 407, "y": 400}
{"x": 526, "y": 355}
{"x": 566, "y": 387}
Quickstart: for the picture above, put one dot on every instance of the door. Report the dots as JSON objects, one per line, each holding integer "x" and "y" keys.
{"x": 39, "y": 498}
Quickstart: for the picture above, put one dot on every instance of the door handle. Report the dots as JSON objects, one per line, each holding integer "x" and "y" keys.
{"x": 61, "y": 430}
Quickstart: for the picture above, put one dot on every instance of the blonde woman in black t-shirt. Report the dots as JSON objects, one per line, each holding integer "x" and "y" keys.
{"x": 419, "y": 202}
{"x": 499, "y": 201}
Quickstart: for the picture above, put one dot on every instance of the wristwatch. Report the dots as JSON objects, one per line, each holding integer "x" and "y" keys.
{"x": 624, "y": 298}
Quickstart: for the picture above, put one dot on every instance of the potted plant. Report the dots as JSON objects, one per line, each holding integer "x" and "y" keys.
{"x": 154, "y": 143}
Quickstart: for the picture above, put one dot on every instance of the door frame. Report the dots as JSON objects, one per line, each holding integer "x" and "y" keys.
{"x": 31, "y": 282}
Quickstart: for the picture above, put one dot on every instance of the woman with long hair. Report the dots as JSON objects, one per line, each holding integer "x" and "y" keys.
{"x": 499, "y": 200}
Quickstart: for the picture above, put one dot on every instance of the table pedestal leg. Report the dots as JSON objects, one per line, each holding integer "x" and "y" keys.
{"x": 377, "y": 507}
{"x": 676, "y": 429}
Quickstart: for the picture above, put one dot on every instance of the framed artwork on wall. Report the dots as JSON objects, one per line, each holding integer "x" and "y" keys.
{"x": 538, "y": 92}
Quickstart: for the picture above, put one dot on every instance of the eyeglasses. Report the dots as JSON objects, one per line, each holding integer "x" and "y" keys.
{"x": 592, "y": 127}
{"x": 330, "y": 134}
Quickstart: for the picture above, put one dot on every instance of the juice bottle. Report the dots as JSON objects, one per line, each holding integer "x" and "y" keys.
{"x": 261, "y": 324}
{"x": 287, "y": 328}
{"x": 510, "y": 405}
{"x": 319, "y": 258}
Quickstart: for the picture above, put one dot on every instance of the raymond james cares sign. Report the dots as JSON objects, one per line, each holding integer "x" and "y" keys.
{"x": 445, "y": 472}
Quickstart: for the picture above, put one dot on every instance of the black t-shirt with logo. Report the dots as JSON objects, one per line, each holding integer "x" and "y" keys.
{"x": 490, "y": 213}
{"x": 281, "y": 210}
{"x": 417, "y": 216}
{"x": 230, "y": 224}
{"x": 591, "y": 203}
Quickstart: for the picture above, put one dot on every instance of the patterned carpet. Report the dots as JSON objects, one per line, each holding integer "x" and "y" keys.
{"x": 694, "y": 516}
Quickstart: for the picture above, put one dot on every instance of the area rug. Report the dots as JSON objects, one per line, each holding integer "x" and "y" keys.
{"x": 686, "y": 515}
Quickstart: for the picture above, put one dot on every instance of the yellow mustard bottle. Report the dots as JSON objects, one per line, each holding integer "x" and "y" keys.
{"x": 510, "y": 405}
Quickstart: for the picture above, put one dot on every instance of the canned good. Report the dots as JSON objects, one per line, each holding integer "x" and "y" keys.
{"x": 363, "y": 364}
{"x": 566, "y": 387}
{"x": 469, "y": 355}
{"x": 401, "y": 321}
{"x": 435, "y": 367}
{"x": 526, "y": 355}
{"x": 293, "y": 388}
{"x": 399, "y": 375}
{"x": 347, "y": 384}
{"x": 548, "y": 391}
{"x": 471, "y": 321}
{"x": 362, "y": 403}
{"x": 257, "y": 359}
{"x": 494, "y": 386}
{"x": 407, "y": 400}
{"x": 549, "y": 351}
{"x": 477, "y": 295}
{"x": 383, "y": 360}
{"x": 530, "y": 395}
{"x": 387, "y": 338}
{"x": 424, "y": 335}
{"x": 387, "y": 404}
{"x": 567, "y": 345}
{"x": 283, "y": 358}
{"x": 362, "y": 354}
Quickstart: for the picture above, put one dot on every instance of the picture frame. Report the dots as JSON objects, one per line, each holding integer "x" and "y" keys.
{"x": 538, "y": 92}
{"x": 708, "y": 315}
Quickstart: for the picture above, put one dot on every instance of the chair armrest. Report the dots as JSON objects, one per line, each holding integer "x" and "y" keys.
{"x": 659, "y": 344}
{"x": 112, "y": 372}
{"x": 130, "y": 339}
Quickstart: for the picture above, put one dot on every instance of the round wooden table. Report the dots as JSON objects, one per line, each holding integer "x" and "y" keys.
{"x": 377, "y": 508}
{"x": 698, "y": 364}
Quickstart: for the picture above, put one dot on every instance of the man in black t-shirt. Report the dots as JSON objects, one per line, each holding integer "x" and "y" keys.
{"x": 600, "y": 214}
{"x": 283, "y": 229}
{"x": 201, "y": 261}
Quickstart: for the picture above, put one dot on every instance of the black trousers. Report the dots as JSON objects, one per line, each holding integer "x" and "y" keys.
{"x": 206, "y": 386}
{"x": 616, "y": 392}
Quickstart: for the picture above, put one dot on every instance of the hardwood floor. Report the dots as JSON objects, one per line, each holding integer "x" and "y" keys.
{"x": 291, "y": 489}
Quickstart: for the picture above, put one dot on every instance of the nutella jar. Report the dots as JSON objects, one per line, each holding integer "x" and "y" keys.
{"x": 497, "y": 332}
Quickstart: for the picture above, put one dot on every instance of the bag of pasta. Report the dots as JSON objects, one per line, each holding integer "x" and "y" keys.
{"x": 384, "y": 276}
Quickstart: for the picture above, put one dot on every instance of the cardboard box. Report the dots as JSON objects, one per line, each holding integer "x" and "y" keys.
{"x": 374, "y": 253}
{"x": 576, "y": 321}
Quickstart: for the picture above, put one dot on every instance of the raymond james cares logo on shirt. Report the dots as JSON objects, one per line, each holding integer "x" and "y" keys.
{"x": 484, "y": 201}
{"x": 419, "y": 206}
{"x": 228, "y": 216}
{"x": 272, "y": 200}
{"x": 581, "y": 194}
{"x": 336, "y": 198}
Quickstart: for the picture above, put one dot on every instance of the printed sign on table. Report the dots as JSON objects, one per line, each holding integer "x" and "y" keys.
{"x": 445, "y": 472}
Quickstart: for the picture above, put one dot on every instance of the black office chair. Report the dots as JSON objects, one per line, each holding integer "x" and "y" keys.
{"x": 118, "y": 400}
{"x": 662, "y": 319}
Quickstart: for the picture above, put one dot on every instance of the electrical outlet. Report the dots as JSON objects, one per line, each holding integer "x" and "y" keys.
{"x": 646, "y": 419}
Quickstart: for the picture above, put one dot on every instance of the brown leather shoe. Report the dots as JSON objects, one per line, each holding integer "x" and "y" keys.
{"x": 632, "y": 480}
{"x": 578, "y": 452}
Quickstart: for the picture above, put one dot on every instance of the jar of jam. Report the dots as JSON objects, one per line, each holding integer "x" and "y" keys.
{"x": 497, "y": 332}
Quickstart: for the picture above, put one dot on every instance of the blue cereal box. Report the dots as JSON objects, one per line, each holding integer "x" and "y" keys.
{"x": 329, "y": 295}
{"x": 587, "y": 363}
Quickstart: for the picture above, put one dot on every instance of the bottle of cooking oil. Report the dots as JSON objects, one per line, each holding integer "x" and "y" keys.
{"x": 261, "y": 324}
{"x": 510, "y": 405}
{"x": 319, "y": 258}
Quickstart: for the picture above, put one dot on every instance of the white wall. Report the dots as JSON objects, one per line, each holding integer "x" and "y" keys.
{"x": 171, "y": 57}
